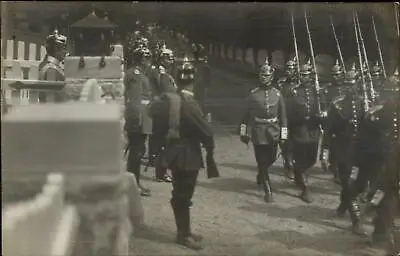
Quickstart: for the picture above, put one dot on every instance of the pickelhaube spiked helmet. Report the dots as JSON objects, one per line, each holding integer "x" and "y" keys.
{"x": 167, "y": 53}
{"x": 376, "y": 70}
{"x": 337, "y": 69}
{"x": 306, "y": 69}
{"x": 351, "y": 75}
{"x": 186, "y": 70}
{"x": 266, "y": 69}
{"x": 56, "y": 38}
{"x": 291, "y": 64}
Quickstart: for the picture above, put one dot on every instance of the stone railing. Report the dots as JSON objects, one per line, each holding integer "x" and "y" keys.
{"x": 44, "y": 225}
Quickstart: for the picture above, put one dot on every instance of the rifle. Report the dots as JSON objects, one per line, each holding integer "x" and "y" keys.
{"x": 366, "y": 105}
{"x": 379, "y": 48}
{"x": 295, "y": 48}
{"x": 371, "y": 85}
{"x": 396, "y": 13}
{"x": 337, "y": 44}
{"x": 317, "y": 88}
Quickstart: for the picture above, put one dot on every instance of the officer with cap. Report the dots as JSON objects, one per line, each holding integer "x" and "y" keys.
{"x": 334, "y": 89}
{"x": 345, "y": 116}
{"x": 266, "y": 115}
{"x": 304, "y": 127}
{"x": 137, "y": 96}
{"x": 183, "y": 154}
{"x": 51, "y": 68}
{"x": 286, "y": 84}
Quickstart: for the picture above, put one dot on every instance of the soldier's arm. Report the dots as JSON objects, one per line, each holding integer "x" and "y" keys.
{"x": 283, "y": 117}
{"x": 245, "y": 118}
{"x": 192, "y": 111}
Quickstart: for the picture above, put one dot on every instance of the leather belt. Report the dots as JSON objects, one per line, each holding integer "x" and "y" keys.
{"x": 265, "y": 121}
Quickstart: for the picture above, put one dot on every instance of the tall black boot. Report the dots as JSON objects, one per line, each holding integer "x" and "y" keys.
{"x": 301, "y": 183}
{"x": 184, "y": 236}
{"x": 267, "y": 187}
{"x": 355, "y": 213}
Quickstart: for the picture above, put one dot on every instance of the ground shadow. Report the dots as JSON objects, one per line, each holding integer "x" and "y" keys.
{"x": 232, "y": 185}
{"x": 155, "y": 234}
{"x": 331, "y": 241}
{"x": 239, "y": 166}
{"x": 306, "y": 213}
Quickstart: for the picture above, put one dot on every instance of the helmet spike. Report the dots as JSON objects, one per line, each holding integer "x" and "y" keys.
{"x": 266, "y": 61}
{"x": 396, "y": 71}
{"x": 337, "y": 62}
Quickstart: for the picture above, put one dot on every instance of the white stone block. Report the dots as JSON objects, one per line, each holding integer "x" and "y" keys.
{"x": 72, "y": 138}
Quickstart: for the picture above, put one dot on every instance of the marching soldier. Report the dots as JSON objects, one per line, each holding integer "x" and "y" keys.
{"x": 304, "y": 128}
{"x": 334, "y": 89}
{"x": 183, "y": 154}
{"x": 137, "y": 96}
{"x": 266, "y": 115}
{"x": 51, "y": 67}
{"x": 373, "y": 141}
{"x": 386, "y": 185}
{"x": 285, "y": 85}
{"x": 343, "y": 122}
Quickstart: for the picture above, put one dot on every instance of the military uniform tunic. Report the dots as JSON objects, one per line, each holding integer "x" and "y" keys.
{"x": 265, "y": 114}
{"x": 51, "y": 69}
{"x": 303, "y": 117}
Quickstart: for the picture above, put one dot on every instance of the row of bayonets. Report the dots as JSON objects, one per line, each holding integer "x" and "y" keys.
{"x": 362, "y": 54}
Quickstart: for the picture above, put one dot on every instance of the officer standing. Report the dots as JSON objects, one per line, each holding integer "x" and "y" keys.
{"x": 345, "y": 115}
{"x": 183, "y": 154}
{"x": 285, "y": 85}
{"x": 266, "y": 115}
{"x": 51, "y": 67}
{"x": 137, "y": 97}
{"x": 334, "y": 90}
{"x": 304, "y": 126}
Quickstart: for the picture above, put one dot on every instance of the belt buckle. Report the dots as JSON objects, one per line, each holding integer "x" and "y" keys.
{"x": 307, "y": 118}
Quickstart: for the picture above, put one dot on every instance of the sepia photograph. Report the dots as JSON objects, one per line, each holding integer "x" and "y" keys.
{"x": 139, "y": 128}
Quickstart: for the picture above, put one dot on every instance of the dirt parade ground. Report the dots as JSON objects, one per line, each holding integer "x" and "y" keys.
{"x": 230, "y": 212}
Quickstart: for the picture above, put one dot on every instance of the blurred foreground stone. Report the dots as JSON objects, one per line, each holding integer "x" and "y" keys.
{"x": 83, "y": 142}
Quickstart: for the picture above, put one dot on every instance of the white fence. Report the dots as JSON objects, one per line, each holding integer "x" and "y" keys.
{"x": 41, "y": 226}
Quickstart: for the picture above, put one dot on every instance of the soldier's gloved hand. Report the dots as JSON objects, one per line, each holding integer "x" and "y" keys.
{"x": 243, "y": 134}
{"x": 324, "y": 159}
{"x": 323, "y": 114}
{"x": 284, "y": 134}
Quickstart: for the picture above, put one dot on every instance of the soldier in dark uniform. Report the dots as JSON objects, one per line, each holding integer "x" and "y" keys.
{"x": 266, "y": 115}
{"x": 304, "y": 127}
{"x": 51, "y": 67}
{"x": 162, "y": 82}
{"x": 285, "y": 85}
{"x": 334, "y": 89}
{"x": 385, "y": 187}
{"x": 137, "y": 95}
{"x": 183, "y": 154}
{"x": 345, "y": 115}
